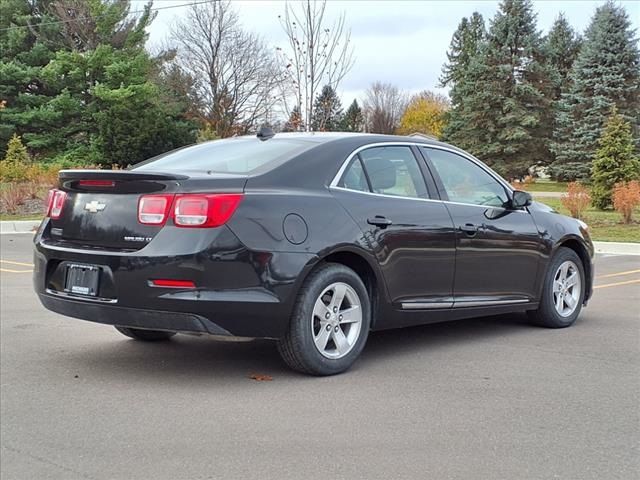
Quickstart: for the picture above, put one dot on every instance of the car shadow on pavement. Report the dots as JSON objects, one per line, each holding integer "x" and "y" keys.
{"x": 186, "y": 359}
{"x": 442, "y": 335}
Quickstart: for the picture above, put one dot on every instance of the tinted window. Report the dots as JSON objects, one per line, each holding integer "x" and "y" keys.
{"x": 232, "y": 155}
{"x": 354, "y": 178}
{"x": 393, "y": 171}
{"x": 466, "y": 182}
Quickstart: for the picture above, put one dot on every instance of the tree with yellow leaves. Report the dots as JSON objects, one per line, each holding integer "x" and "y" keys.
{"x": 425, "y": 114}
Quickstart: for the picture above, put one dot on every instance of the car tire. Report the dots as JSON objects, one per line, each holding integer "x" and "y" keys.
{"x": 561, "y": 303}
{"x": 145, "y": 335}
{"x": 330, "y": 322}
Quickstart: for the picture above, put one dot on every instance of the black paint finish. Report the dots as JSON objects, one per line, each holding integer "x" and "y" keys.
{"x": 424, "y": 260}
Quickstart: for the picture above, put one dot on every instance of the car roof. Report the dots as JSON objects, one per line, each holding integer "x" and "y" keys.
{"x": 325, "y": 137}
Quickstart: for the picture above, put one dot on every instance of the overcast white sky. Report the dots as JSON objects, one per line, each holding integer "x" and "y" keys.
{"x": 402, "y": 42}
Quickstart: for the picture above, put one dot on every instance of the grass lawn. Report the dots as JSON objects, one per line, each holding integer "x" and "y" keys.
{"x": 546, "y": 186}
{"x": 605, "y": 226}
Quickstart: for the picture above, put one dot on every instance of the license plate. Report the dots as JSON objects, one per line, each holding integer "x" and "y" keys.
{"x": 82, "y": 279}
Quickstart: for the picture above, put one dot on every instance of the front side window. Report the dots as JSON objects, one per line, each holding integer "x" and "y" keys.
{"x": 466, "y": 182}
{"x": 389, "y": 170}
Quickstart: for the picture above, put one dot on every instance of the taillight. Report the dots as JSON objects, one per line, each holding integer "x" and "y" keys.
{"x": 154, "y": 209}
{"x": 189, "y": 210}
{"x": 205, "y": 210}
{"x": 55, "y": 202}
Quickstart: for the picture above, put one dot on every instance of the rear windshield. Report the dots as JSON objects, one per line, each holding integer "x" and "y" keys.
{"x": 232, "y": 155}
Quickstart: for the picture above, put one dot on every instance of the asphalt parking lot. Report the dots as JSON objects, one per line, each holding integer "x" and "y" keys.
{"x": 491, "y": 398}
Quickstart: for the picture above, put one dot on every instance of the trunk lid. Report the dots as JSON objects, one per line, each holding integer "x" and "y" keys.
{"x": 101, "y": 207}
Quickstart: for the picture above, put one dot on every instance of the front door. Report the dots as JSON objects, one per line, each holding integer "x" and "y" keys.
{"x": 497, "y": 248}
{"x": 413, "y": 239}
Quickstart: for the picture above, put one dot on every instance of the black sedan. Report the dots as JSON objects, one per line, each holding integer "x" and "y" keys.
{"x": 310, "y": 239}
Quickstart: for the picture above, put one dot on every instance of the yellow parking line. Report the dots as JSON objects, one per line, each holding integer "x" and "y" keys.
{"x": 628, "y": 282}
{"x": 628, "y": 272}
{"x": 14, "y": 271}
{"x": 22, "y": 263}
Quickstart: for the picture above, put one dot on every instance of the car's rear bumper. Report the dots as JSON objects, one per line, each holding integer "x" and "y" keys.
{"x": 131, "y": 317}
{"x": 238, "y": 291}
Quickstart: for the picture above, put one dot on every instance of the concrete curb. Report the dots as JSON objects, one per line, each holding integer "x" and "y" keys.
{"x": 19, "y": 226}
{"x": 617, "y": 248}
{"x": 548, "y": 194}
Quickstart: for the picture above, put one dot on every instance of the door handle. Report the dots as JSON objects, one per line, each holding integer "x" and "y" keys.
{"x": 379, "y": 221}
{"x": 470, "y": 229}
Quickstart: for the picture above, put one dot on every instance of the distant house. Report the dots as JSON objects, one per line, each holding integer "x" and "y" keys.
{"x": 423, "y": 135}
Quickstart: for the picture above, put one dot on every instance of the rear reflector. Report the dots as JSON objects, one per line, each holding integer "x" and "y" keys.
{"x": 97, "y": 183}
{"x": 169, "y": 283}
{"x": 205, "y": 210}
{"x": 55, "y": 202}
{"x": 154, "y": 209}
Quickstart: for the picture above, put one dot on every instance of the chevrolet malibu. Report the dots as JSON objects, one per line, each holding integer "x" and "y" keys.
{"x": 313, "y": 240}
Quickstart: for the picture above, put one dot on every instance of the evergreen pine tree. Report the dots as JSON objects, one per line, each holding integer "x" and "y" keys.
{"x": 615, "y": 160}
{"x": 353, "y": 120}
{"x": 79, "y": 84}
{"x": 464, "y": 46}
{"x": 327, "y": 111}
{"x": 561, "y": 48}
{"x": 460, "y": 73}
{"x": 606, "y": 73}
{"x": 511, "y": 92}
{"x": 23, "y": 54}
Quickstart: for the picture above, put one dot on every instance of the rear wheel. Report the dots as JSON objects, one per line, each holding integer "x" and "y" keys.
{"x": 563, "y": 291}
{"x": 145, "y": 335}
{"x": 330, "y": 322}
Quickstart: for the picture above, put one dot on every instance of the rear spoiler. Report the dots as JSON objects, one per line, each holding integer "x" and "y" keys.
{"x": 117, "y": 175}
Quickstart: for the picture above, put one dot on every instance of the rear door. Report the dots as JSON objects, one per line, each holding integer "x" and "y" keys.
{"x": 384, "y": 189}
{"x": 497, "y": 253}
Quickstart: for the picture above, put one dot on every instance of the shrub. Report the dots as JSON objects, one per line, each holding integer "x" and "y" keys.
{"x": 16, "y": 151}
{"x": 206, "y": 134}
{"x": 626, "y": 197}
{"x": 32, "y": 189}
{"x": 615, "y": 160}
{"x": 12, "y": 195}
{"x": 576, "y": 200}
{"x": 16, "y": 161}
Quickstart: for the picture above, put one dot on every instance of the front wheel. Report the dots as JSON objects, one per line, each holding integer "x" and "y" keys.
{"x": 145, "y": 335}
{"x": 330, "y": 322}
{"x": 563, "y": 291}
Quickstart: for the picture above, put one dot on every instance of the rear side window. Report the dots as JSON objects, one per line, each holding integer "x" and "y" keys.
{"x": 233, "y": 155}
{"x": 354, "y": 178}
{"x": 390, "y": 170}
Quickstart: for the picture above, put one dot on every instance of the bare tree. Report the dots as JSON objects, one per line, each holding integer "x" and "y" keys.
{"x": 236, "y": 73}
{"x": 318, "y": 54}
{"x": 384, "y": 105}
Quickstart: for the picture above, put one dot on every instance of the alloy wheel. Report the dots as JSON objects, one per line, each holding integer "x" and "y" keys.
{"x": 336, "y": 320}
{"x": 567, "y": 286}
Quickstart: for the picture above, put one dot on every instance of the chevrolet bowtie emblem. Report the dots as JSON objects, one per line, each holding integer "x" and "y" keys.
{"x": 95, "y": 207}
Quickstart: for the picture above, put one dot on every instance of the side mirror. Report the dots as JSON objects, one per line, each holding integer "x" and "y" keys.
{"x": 521, "y": 199}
